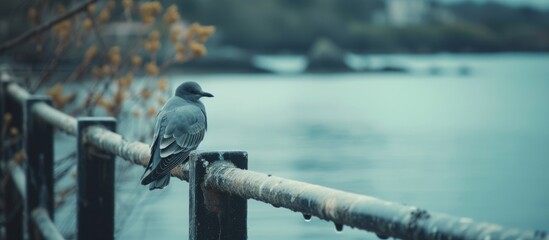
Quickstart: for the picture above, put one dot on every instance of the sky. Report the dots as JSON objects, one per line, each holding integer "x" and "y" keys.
{"x": 535, "y": 3}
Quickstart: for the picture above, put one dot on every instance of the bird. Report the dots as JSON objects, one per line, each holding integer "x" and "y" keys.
{"x": 179, "y": 128}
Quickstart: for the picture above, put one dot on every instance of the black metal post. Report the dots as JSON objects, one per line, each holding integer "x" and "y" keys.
{"x": 14, "y": 202}
{"x": 214, "y": 214}
{"x": 10, "y": 142}
{"x": 13, "y": 210}
{"x": 95, "y": 184}
{"x": 3, "y": 98}
{"x": 4, "y": 81}
{"x": 38, "y": 145}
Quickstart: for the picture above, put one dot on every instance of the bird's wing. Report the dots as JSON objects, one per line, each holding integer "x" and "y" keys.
{"x": 180, "y": 130}
{"x": 160, "y": 125}
{"x": 185, "y": 128}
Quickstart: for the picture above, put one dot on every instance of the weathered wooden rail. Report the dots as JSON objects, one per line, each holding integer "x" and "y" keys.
{"x": 219, "y": 187}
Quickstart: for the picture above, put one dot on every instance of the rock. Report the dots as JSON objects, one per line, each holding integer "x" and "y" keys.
{"x": 325, "y": 56}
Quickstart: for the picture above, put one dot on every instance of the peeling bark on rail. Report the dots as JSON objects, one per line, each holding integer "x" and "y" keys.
{"x": 385, "y": 218}
{"x": 135, "y": 152}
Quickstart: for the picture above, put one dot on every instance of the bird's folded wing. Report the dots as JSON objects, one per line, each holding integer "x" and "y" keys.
{"x": 185, "y": 129}
{"x": 160, "y": 125}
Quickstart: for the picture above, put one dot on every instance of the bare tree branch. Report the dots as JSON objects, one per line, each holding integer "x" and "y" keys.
{"x": 39, "y": 29}
{"x": 97, "y": 33}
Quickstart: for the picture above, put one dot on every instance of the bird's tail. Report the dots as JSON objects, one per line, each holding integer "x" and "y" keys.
{"x": 157, "y": 172}
{"x": 160, "y": 183}
{"x": 157, "y": 183}
{"x": 148, "y": 178}
{"x": 153, "y": 162}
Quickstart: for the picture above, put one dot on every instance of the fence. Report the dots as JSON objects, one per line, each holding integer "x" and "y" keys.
{"x": 220, "y": 185}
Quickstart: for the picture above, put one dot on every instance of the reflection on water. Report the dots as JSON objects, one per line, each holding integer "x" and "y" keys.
{"x": 474, "y": 145}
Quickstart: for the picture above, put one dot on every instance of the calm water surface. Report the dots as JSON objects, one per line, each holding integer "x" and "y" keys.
{"x": 473, "y": 145}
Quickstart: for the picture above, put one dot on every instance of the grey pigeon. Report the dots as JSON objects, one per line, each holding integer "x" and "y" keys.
{"x": 179, "y": 128}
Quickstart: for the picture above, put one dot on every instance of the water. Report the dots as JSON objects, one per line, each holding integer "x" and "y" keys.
{"x": 473, "y": 145}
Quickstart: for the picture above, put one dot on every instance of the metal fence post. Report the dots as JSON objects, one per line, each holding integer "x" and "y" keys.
{"x": 214, "y": 214}
{"x": 14, "y": 206}
{"x": 38, "y": 145}
{"x": 95, "y": 184}
{"x": 11, "y": 106}
{"x": 4, "y": 81}
{"x": 14, "y": 209}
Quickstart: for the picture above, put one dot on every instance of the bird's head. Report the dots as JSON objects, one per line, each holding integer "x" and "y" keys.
{"x": 191, "y": 91}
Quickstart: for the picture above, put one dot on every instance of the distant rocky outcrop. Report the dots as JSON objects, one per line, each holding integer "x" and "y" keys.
{"x": 326, "y": 56}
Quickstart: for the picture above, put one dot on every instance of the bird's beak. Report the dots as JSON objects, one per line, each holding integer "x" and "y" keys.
{"x": 205, "y": 94}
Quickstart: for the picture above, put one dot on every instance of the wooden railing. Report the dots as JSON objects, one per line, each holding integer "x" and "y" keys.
{"x": 220, "y": 185}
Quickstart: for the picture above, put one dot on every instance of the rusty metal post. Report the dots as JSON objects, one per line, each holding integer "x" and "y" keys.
{"x": 38, "y": 145}
{"x": 214, "y": 214}
{"x": 95, "y": 183}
